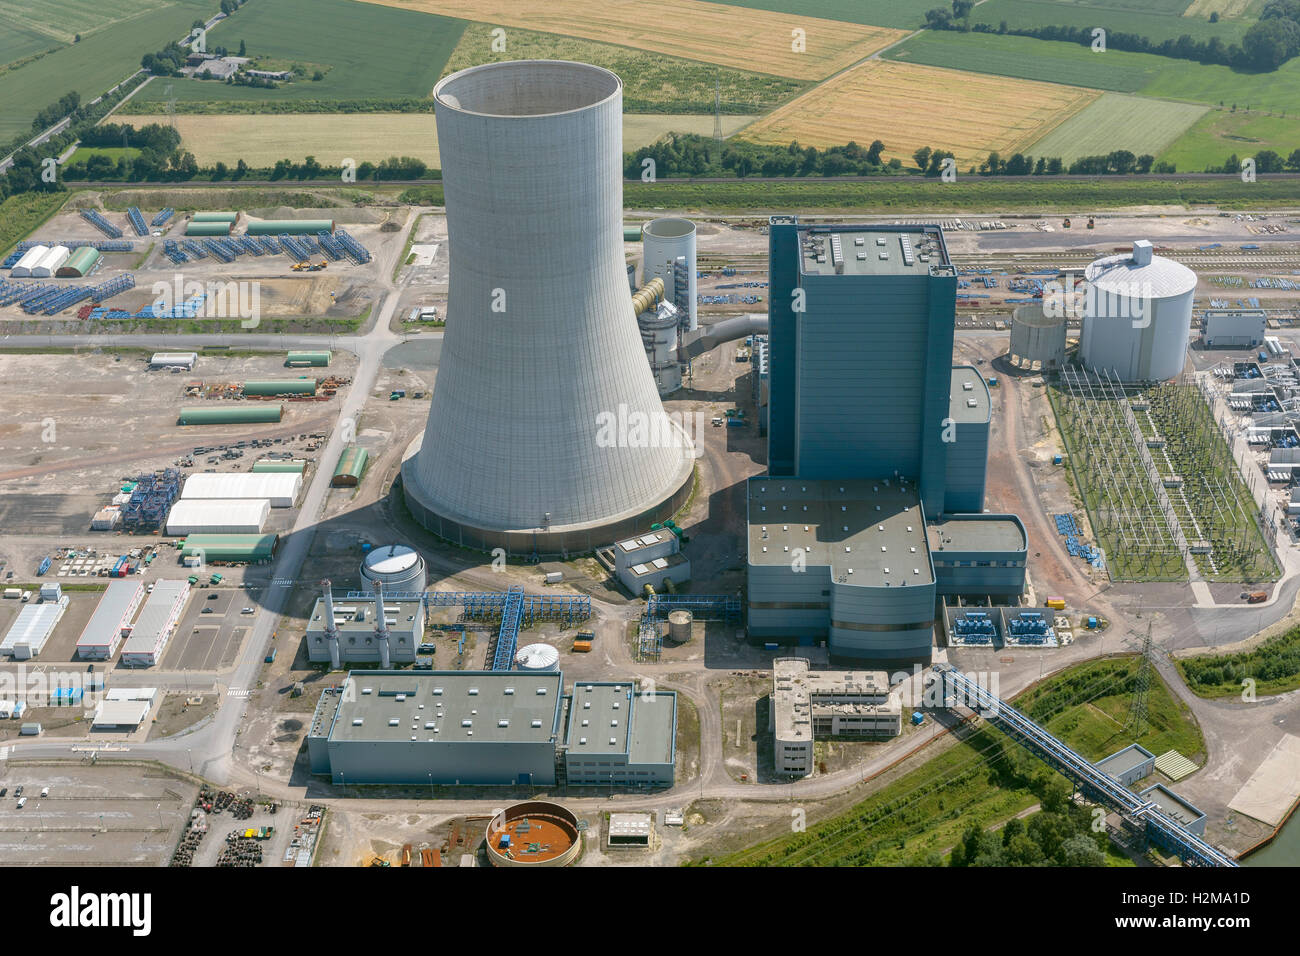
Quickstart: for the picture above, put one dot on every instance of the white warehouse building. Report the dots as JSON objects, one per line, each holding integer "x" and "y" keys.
{"x": 1137, "y": 316}
{"x": 32, "y": 628}
{"x": 103, "y": 632}
{"x": 281, "y": 489}
{"x": 49, "y": 263}
{"x": 218, "y": 516}
{"x": 23, "y": 267}
{"x": 162, "y": 612}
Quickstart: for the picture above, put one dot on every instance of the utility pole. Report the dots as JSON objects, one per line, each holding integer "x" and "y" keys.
{"x": 717, "y": 111}
{"x": 1137, "y": 714}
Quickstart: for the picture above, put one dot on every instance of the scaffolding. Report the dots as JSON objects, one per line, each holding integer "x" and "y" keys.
{"x": 151, "y": 499}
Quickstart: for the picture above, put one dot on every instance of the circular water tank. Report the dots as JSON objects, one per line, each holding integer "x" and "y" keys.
{"x": 1137, "y": 316}
{"x": 679, "y": 626}
{"x": 536, "y": 834}
{"x": 537, "y": 657}
{"x": 399, "y": 568}
{"x": 1037, "y": 337}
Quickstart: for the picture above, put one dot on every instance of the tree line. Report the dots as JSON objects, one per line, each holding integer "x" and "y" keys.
{"x": 1269, "y": 42}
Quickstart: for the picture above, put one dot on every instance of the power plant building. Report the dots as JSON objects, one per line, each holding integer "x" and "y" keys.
{"x": 1137, "y": 316}
{"x": 668, "y": 253}
{"x": 359, "y": 635}
{"x": 875, "y": 439}
{"x": 808, "y": 705}
{"x": 546, "y": 434}
{"x": 1233, "y": 328}
{"x": 490, "y": 728}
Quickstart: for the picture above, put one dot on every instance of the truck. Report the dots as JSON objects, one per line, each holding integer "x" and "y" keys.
{"x": 27, "y": 596}
{"x": 1057, "y": 603}
{"x": 13, "y": 594}
{"x": 1256, "y": 597}
{"x": 270, "y": 656}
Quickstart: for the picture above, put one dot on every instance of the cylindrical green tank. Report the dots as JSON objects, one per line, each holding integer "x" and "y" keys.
{"x": 289, "y": 386}
{"x": 290, "y": 227}
{"x": 215, "y": 217}
{"x": 308, "y": 358}
{"x": 632, "y": 232}
{"x": 208, "y": 229}
{"x": 224, "y": 414}
{"x": 269, "y": 466}
{"x": 79, "y": 263}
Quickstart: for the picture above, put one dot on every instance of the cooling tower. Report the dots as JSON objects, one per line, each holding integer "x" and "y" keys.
{"x": 536, "y": 439}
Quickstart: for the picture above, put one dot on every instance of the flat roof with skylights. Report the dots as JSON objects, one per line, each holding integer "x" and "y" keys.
{"x": 871, "y": 250}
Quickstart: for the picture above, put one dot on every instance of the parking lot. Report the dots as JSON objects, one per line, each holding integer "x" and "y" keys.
{"x": 210, "y": 631}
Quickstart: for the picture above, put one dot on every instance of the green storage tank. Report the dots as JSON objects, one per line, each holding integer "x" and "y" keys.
{"x": 271, "y": 466}
{"x": 288, "y": 386}
{"x": 290, "y": 227}
{"x": 79, "y": 264}
{"x": 249, "y": 548}
{"x": 316, "y": 359}
{"x": 208, "y": 229}
{"x": 351, "y": 466}
{"x": 231, "y": 217}
{"x": 632, "y": 233}
{"x": 245, "y": 414}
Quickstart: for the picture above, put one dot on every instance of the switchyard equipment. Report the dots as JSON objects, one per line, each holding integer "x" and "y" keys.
{"x": 1141, "y": 815}
{"x": 1137, "y": 316}
{"x": 100, "y": 223}
{"x": 137, "y": 221}
{"x": 583, "y": 486}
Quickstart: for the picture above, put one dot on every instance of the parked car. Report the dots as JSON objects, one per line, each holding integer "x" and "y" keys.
{"x": 248, "y": 610}
{"x": 206, "y": 610}
{"x": 22, "y": 802}
{"x": 45, "y": 791}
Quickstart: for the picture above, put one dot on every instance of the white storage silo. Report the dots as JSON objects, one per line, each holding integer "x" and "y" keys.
{"x": 537, "y": 657}
{"x": 400, "y": 569}
{"x": 1137, "y": 316}
{"x": 665, "y": 243}
{"x": 23, "y": 267}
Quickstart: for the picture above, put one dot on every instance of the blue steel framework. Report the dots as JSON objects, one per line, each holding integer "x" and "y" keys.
{"x": 513, "y": 607}
{"x": 1160, "y": 830}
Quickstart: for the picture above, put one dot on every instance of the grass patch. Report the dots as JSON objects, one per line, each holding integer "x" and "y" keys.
{"x": 1221, "y": 133}
{"x": 21, "y": 214}
{"x": 652, "y": 82}
{"x": 1277, "y": 92}
{"x": 64, "y": 19}
{"x": 986, "y": 778}
{"x": 18, "y": 39}
{"x": 99, "y": 61}
{"x": 1274, "y": 665}
{"x": 373, "y": 52}
{"x": 1118, "y": 121}
{"x": 902, "y": 14}
{"x": 84, "y": 153}
{"x": 1153, "y": 19}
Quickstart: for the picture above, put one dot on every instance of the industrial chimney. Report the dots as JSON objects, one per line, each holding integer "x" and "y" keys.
{"x": 381, "y": 627}
{"x": 331, "y": 629}
{"x": 543, "y": 381}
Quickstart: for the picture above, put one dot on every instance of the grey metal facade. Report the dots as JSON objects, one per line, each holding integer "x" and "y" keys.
{"x": 979, "y": 554}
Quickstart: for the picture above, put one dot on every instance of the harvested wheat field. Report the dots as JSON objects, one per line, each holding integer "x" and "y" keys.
{"x": 262, "y": 139}
{"x": 756, "y": 40}
{"x": 908, "y": 106}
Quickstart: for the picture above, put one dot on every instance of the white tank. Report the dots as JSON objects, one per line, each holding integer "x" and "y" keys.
{"x": 663, "y": 243}
{"x": 659, "y": 334}
{"x": 1137, "y": 316}
{"x": 537, "y": 657}
{"x": 399, "y": 568}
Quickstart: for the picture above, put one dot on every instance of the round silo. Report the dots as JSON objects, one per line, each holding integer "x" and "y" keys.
{"x": 1137, "y": 316}
{"x": 663, "y": 243}
{"x": 400, "y": 569}
{"x": 537, "y": 657}
{"x": 1037, "y": 338}
{"x": 679, "y": 626}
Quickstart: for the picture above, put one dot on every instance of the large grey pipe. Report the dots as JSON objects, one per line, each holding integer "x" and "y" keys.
{"x": 381, "y": 627}
{"x": 331, "y": 629}
{"x": 728, "y": 330}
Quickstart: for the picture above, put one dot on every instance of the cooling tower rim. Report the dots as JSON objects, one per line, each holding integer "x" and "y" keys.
{"x": 668, "y": 222}
{"x": 447, "y": 98}
{"x": 1033, "y": 316}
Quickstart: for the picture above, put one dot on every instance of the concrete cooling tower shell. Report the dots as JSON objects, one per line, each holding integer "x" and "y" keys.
{"x": 534, "y": 441}
{"x": 1137, "y": 316}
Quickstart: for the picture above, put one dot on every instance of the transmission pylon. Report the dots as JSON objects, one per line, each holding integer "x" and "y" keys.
{"x": 1137, "y": 712}
{"x": 717, "y": 111}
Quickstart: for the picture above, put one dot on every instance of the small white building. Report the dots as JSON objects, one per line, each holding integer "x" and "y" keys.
{"x": 215, "y": 516}
{"x": 162, "y": 611}
{"x": 183, "y": 360}
{"x": 1233, "y": 328}
{"x": 103, "y": 632}
{"x": 23, "y": 267}
{"x": 652, "y": 558}
{"x": 49, "y": 263}
{"x": 281, "y": 489}
{"x": 119, "y": 714}
{"x": 35, "y": 623}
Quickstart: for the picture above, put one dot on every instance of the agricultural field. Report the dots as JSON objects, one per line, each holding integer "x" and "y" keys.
{"x": 18, "y": 40}
{"x": 1156, "y": 20}
{"x": 1118, "y": 121}
{"x": 1221, "y": 133}
{"x": 261, "y": 139}
{"x": 651, "y": 82}
{"x": 64, "y": 19}
{"x": 1277, "y": 92}
{"x": 902, "y": 14}
{"x": 910, "y": 106}
{"x": 692, "y": 29}
{"x": 92, "y": 66}
{"x": 114, "y": 153}
{"x": 1224, "y": 8}
{"x": 371, "y": 53}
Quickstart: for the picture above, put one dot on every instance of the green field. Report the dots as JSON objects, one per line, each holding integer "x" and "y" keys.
{"x": 1274, "y": 665}
{"x": 652, "y": 82}
{"x": 19, "y": 215}
{"x": 986, "y": 779}
{"x": 64, "y": 19}
{"x": 900, "y": 14}
{"x": 18, "y": 40}
{"x": 93, "y": 65}
{"x": 1278, "y": 91}
{"x": 1119, "y": 121}
{"x": 114, "y": 153}
{"x": 1033, "y": 59}
{"x": 374, "y": 52}
{"x": 1221, "y": 133}
{"x": 1156, "y": 20}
